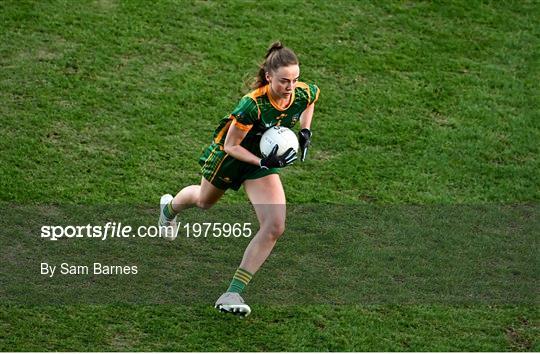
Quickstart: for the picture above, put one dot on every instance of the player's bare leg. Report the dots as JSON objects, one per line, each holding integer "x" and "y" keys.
{"x": 268, "y": 198}
{"x": 203, "y": 196}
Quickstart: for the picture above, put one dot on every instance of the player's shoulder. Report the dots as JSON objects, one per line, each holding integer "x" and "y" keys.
{"x": 310, "y": 91}
{"x": 249, "y": 100}
{"x": 258, "y": 92}
{"x": 307, "y": 87}
{"x": 247, "y": 107}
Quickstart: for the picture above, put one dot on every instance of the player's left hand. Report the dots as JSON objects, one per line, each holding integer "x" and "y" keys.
{"x": 304, "y": 138}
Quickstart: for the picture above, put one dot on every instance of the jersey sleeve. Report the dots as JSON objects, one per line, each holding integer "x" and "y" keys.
{"x": 313, "y": 93}
{"x": 245, "y": 114}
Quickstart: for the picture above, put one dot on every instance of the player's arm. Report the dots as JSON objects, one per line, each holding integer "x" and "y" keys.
{"x": 232, "y": 146}
{"x": 304, "y": 136}
{"x": 307, "y": 115}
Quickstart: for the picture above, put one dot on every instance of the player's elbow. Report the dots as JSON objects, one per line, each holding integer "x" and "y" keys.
{"x": 228, "y": 148}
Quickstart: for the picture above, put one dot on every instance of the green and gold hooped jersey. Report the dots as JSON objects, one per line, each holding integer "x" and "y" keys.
{"x": 257, "y": 112}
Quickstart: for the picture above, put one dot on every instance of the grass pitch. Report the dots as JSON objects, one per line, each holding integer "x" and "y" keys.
{"x": 110, "y": 103}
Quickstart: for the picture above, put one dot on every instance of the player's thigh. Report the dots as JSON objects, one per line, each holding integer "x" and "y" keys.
{"x": 209, "y": 194}
{"x": 268, "y": 198}
{"x": 265, "y": 190}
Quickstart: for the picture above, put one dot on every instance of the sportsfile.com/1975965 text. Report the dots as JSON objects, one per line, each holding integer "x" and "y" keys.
{"x": 118, "y": 230}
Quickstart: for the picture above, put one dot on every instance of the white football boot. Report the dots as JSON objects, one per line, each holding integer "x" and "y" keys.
{"x": 167, "y": 228}
{"x": 232, "y": 303}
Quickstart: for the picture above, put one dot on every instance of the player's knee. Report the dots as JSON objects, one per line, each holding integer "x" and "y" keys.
{"x": 204, "y": 204}
{"x": 274, "y": 228}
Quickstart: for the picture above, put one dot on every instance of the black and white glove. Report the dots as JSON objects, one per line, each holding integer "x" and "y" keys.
{"x": 273, "y": 160}
{"x": 304, "y": 138}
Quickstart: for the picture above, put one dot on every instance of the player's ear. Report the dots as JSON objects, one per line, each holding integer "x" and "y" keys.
{"x": 267, "y": 76}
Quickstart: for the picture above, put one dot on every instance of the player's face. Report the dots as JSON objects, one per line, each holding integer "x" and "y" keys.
{"x": 283, "y": 80}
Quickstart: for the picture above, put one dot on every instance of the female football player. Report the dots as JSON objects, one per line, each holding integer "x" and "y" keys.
{"x": 233, "y": 159}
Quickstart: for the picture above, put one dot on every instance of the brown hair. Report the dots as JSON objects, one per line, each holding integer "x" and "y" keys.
{"x": 276, "y": 57}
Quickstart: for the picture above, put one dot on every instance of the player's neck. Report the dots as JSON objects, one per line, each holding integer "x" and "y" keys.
{"x": 281, "y": 102}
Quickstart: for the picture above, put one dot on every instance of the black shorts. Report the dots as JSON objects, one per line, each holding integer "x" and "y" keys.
{"x": 224, "y": 171}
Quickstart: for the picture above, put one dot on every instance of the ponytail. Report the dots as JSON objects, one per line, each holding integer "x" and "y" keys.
{"x": 276, "y": 56}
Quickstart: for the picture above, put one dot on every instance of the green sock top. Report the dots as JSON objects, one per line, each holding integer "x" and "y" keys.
{"x": 239, "y": 281}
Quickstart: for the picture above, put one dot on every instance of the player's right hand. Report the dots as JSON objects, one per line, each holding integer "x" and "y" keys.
{"x": 272, "y": 160}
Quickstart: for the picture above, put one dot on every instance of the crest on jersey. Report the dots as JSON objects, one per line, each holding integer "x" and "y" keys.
{"x": 295, "y": 118}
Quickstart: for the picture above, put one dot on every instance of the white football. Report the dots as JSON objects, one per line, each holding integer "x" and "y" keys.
{"x": 283, "y": 137}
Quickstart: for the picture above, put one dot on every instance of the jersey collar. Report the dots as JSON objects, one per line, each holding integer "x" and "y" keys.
{"x": 274, "y": 103}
